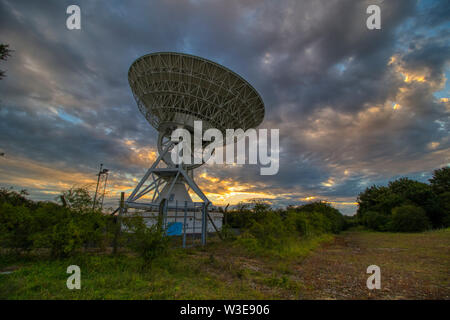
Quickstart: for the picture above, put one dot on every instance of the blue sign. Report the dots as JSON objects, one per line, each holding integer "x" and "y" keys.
{"x": 174, "y": 229}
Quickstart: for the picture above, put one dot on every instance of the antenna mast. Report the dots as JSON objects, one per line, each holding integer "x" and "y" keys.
{"x": 101, "y": 183}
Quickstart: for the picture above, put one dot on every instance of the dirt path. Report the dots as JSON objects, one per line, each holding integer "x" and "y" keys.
{"x": 413, "y": 266}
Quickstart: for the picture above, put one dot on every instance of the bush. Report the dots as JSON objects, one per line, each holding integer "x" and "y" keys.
{"x": 376, "y": 221}
{"x": 245, "y": 214}
{"x": 64, "y": 230}
{"x": 444, "y": 204}
{"x": 270, "y": 231}
{"x": 440, "y": 182}
{"x": 148, "y": 242}
{"x": 316, "y": 218}
{"x": 278, "y": 231}
{"x": 351, "y": 222}
{"x": 25, "y": 224}
{"x": 15, "y": 198}
{"x": 17, "y": 224}
{"x": 299, "y": 221}
{"x": 404, "y": 191}
{"x": 409, "y": 218}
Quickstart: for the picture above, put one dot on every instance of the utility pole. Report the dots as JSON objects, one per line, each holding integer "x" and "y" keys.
{"x": 104, "y": 190}
{"x": 101, "y": 182}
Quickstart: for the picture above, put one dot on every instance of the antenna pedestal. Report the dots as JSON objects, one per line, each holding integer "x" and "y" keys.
{"x": 168, "y": 195}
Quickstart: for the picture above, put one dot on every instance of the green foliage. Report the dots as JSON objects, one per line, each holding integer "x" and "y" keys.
{"x": 300, "y": 221}
{"x": 25, "y": 224}
{"x": 271, "y": 231}
{"x": 351, "y": 222}
{"x": 149, "y": 242}
{"x": 64, "y": 230}
{"x": 15, "y": 198}
{"x": 78, "y": 199}
{"x": 378, "y": 199}
{"x": 323, "y": 217}
{"x": 376, "y": 221}
{"x": 444, "y": 204}
{"x": 409, "y": 218}
{"x": 440, "y": 182}
{"x": 246, "y": 214}
{"x": 279, "y": 232}
{"x": 16, "y": 225}
{"x": 376, "y": 203}
{"x": 227, "y": 233}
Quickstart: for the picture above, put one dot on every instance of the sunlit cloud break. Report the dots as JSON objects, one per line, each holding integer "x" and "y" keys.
{"x": 354, "y": 107}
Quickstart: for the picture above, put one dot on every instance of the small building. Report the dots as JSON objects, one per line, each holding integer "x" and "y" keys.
{"x": 193, "y": 221}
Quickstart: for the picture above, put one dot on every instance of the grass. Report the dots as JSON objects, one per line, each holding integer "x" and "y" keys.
{"x": 175, "y": 276}
{"x": 413, "y": 266}
{"x": 327, "y": 267}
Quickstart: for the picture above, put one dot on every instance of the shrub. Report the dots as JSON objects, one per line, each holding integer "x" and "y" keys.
{"x": 270, "y": 231}
{"x": 409, "y": 218}
{"x": 227, "y": 233}
{"x": 351, "y": 222}
{"x": 245, "y": 214}
{"x": 148, "y": 242}
{"x": 78, "y": 199}
{"x": 57, "y": 231}
{"x": 440, "y": 182}
{"x": 64, "y": 230}
{"x": 444, "y": 204}
{"x": 274, "y": 230}
{"x": 323, "y": 217}
{"x": 17, "y": 224}
{"x": 315, "y": 218}
{"x": 15, "y": 198}
{"x": 376, "y": 221}
{"x": 300, "y": 222}
{"x": 404, "y": 191}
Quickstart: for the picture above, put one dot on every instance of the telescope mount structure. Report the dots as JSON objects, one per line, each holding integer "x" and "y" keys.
{"x": 172, "y": 90}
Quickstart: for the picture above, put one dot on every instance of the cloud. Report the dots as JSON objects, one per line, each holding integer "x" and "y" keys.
{"x": 354, "y": 106}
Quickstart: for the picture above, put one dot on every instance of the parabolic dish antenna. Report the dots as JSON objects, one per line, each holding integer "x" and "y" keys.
{"x": 172, "y": 90}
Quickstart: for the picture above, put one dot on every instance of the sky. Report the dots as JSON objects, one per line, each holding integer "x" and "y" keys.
{"x": 355, "y": 107}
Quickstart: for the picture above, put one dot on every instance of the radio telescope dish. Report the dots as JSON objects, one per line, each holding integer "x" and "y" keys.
{"x": 172, "y": 90}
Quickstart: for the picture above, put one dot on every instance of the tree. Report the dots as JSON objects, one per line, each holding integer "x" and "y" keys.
{"x": 380, "y": 199}
{"x": 402, "y": 191}
{"x": 334, "y": 220}
{"x": 440, "y": 182}
{"x": 409, "y": 218}
{"x": 148, "y": 242}
{"x": 16, "y": 225}
{"x": 376, "y": 221}
{"x": 421, "y": 195}
{"x": 414, "y": 191}
{"x": 15, "y": 198}
{"x": 444, "y": 205}
{"x": 78, "y": 198}
{"x": 5, "y": 52}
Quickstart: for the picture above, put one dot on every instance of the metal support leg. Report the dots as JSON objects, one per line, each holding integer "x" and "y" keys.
{"x": 204, "y": 224}
{"x": 185, "y": 224}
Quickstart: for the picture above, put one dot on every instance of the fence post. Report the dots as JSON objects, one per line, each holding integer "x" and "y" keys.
{"x": 185, "y": 224}
{"x": 204, "y": 224}
{"x": 117, "y": 222}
